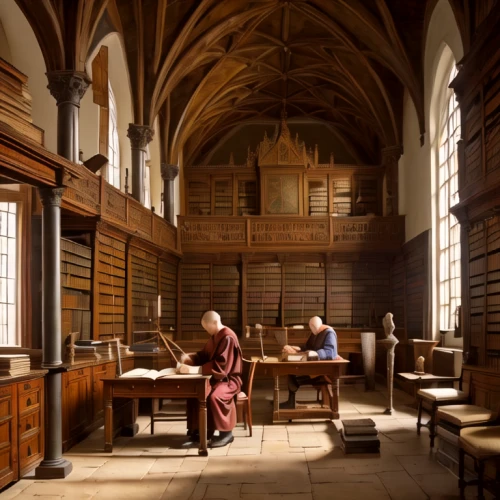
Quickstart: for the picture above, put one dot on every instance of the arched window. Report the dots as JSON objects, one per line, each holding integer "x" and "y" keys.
{"x": 113, "y": 143}
{"x": 449, "y": 228}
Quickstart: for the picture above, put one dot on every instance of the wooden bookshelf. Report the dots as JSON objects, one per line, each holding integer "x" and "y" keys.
{"x": 223, "y": 196}
{"x": 366, "y": 195}
{"x": 264, "y": 294}
{"x": 168, "y": 292}
{"x": 226, "y": 294}
{"x": 341, "y": 196}
{"x": 247, "y": 197}
{"x": 76, "y": 285}
{"x": 398, "y": 291}
{"x": 199, "y": 196}
{"x": 318, "y": 196}
{"x": 195, "y": 298}
{"x": 304, "y": 292}
{"x": 340, "y": 289}
{"x": 144, "y": 289}
{"x": 493, "y": 293}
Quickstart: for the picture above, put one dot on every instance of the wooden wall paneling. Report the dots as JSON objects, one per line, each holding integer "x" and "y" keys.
{"x": 76, "y": 286}
{"x": 417, "y": 285}
{"x": 9, "y": 470}
{"x": 195, "y": 298}
{"x": 111, "y": 304}
{"x": 226, "y": 282}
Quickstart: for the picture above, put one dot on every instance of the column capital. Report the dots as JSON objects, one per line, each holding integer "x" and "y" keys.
{"x": 391, "y": 154}
{"x": 139, "y": 135}
{"x": 51, "y": 196}
{"x": 169, "y": 172}
{"x": 68, "y": 86}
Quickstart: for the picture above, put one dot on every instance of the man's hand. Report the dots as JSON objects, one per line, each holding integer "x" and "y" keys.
{"x": 187, "y": 360}
{"x": 290, "y": 349}
{"x": 184, "y": 368}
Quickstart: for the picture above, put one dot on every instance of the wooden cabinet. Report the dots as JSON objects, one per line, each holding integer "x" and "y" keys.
{"x": 99, "y": 372}
{"x": 21, "y": 427}
{"x": 77, "y": 404}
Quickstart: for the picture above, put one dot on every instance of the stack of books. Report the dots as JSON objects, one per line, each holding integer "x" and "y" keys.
{"x": 146, "y": 347}
{"x": 14, "y": 365}
{"x": 359, "y": 436}
{"x": 83, "y": 354}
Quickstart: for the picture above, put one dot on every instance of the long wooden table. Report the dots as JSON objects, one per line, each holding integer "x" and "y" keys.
{"x": 173, "y": 387}
{"x": 330, "y": 369}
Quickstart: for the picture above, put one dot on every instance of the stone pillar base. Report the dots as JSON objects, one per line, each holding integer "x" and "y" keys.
{"x": 53, "y": 469}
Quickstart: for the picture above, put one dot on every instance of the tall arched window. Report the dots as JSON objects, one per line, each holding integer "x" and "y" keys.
{"x": 449, "y": 228}
{"x": 113, "y": 143}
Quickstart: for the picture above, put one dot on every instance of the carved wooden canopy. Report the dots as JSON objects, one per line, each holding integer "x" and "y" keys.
{"x": 207, "y": 66}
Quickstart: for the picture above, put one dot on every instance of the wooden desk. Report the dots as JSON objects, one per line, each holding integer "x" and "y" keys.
{"x": 330, "y": 369}
{"x": 174, "y": 387}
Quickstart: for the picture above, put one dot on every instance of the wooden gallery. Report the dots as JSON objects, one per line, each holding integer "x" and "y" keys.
{"x": 286, "y": 164}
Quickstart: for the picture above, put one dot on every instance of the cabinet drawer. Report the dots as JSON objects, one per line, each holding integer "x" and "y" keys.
{"x": 76, "y": 374}
{"x": 6, "y": 409}
{"x": 27, "y": 387}
{"x": 6, "y": 433}
{"x": 6, "y": 390}
{"x": 30, "y": 450}
{"x": 29, "y": 400}
{"x": 29, "y": 422}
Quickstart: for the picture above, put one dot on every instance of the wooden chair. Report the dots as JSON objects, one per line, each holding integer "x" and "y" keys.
{"x": 482, "y": 444}
{"x": 244, "y": 399}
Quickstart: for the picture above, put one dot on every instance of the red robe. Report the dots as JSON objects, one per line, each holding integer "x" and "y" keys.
{"x": 221, "y": 357}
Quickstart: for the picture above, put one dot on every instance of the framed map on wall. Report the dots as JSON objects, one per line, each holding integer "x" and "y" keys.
{"x": 281, "y": 194}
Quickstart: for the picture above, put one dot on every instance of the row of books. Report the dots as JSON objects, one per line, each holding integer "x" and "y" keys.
{"x": 14, "y": 365}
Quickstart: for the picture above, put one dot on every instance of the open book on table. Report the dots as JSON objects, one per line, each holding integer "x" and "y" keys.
{"x": 154, "y": 374}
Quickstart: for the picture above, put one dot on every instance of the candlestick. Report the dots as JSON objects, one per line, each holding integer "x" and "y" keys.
{"x": 159, "y": 306}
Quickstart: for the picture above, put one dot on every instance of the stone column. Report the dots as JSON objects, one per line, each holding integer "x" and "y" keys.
{"x": 140, "y": 136}
{"x": 390, "y": 159}
{"x": 168, "y": 174}
{"x": 53, "y": 465}
{"x": 68, "y": 88}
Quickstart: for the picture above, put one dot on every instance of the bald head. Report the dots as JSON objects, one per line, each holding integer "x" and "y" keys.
{"x": 315, "y": 324}
{"x": 211, "y": 322}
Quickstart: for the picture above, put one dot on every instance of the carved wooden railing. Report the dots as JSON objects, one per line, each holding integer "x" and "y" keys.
{"x": 262, "y": 233}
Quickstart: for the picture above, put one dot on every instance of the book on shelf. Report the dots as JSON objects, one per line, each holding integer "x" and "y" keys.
{"x": 155, "y": 374}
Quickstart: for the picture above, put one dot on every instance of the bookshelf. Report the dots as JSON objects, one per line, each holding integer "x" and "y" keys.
{"x": 247, "y": 197}
{"x": 144, "y": 289}
{"x": 264, "y": 294}
{"x": 318, "y": 197}
{"x": 340, "y": 290}
{"x": 199, "y": 196}
{"x": 493, "y": 292}
{"x": 76, "y": 285}
{"x": 371, "y": 295}
{"x": 342, "y": 196}
{"x": 398, "y": 290}
{"x": 195, "y": 298}
{"x": 111, "y": 283}
{"x": 168, "y": 292}
{"x": 366, "y": 196}
{"x": 477, "y": 279}
{"x": 223, "y": 196}
{"x": 226, "y": 293}
{"x": 304, "y": 292}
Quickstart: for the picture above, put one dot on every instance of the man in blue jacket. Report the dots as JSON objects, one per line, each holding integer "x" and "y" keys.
{"x": 323, "y": 341}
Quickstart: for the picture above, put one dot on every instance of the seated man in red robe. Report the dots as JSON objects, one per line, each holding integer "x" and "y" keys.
{"x": 323, "y": 343}
{"x": 221, "y": 357}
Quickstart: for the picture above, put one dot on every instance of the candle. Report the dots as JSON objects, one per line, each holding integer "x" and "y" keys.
{"x": 159, "y": 306}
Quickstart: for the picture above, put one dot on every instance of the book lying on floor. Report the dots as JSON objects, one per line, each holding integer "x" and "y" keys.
{"x": 154, "y": 374}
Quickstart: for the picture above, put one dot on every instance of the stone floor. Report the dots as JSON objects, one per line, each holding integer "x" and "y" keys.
{"x": 291, "y": 461}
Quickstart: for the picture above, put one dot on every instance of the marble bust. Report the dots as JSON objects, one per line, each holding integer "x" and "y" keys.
{"x": 389, "y": 326}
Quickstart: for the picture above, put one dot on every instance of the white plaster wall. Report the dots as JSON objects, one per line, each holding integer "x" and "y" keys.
{"x": 89, "y": 125}
{"x": 27, "y": 57}
{"x": 120, "y": 82}
{"x": 156, "y": 182}
{"x": 417, "y": 167}
{"x": 4, "y": 45}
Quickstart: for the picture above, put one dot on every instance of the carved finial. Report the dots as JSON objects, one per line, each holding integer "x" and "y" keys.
{"x": 231, "y": 158}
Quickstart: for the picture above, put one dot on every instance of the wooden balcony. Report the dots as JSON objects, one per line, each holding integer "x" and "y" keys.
{"x": 206, "y": 234}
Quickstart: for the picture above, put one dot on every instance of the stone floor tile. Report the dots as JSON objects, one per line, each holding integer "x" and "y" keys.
{"x": 272, "y": 496}
{"x": 243, "y": 451}
{"x": 182, "y": 486}
{"x": 170, "y": 464}
{"x": 441, "y": 485}
{"x": 271, "y": 434}
{"x": 416, "y": 465}
{"x": 401, "y": 486}
{"x": 339, "y": 475}
{"x": 350, "y": 491}
{"x": 222, "y": 491}
{"x": 193, "y": 464}
{"x": 276, "y": 488}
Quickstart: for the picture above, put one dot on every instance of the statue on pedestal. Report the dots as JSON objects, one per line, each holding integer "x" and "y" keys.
{"x": 419, "y": 366}
{"x": 389, "y": 343}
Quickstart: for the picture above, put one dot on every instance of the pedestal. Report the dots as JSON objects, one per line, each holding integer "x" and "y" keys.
{"x": 368, "y": 355}
{"x": 390, "y": 344}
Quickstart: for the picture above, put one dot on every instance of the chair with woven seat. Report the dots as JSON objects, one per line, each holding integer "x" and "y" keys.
{"x": 482, "y": 444}
{"x": 244, "y": 399}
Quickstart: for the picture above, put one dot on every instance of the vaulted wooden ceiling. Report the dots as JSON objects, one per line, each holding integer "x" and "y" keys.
{"x": 207, "y": 66}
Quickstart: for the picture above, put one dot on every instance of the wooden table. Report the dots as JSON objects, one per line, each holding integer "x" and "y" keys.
{"x": 330, "y": 369}
{"x": 173, "y": 387}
